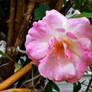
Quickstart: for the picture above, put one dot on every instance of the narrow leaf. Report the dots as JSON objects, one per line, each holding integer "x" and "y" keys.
{"x": 84, "y": 14}
{"x": 6, "y": 56}
{"x": 76, "y": 87}
{"x": 50, "y": 86}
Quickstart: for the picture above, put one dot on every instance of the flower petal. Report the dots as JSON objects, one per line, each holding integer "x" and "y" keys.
{"x": 83, "y": 30}
{"x": 85, "y": 42}
{"x": 36, "y": 62}
{"x": 80, "y": 68}
{"x": 60, "y": 47}
{"x": 51, "y": 42}
{"x": 67, "y": 52}
{"x": 75, "y": 21}
{"x": 86, "y": 56}
{"x": 35, "y": 50}
{"x": 60, "y": 30}
{"x": 54, "y": 19}
{"x": 76, "y": 12}
{"x": 71, "y": 35}
{"x": 56, "y": 71}
{"x": 39, "y": 30}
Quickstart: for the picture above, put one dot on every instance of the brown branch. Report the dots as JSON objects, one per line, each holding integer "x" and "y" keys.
{"x": 21, "y": 36}
{"x": 47, "y": 2}
{"x": 38, "y": 1}
{"x": 30, "y": 8}
{"x": 11, "y": 23}
{"x": 37, "y": 82}
{"x": 22, "y": 32}
{"x": 18, "y": 90}
{"x": 59, "y": 4}
{"x": 5, "y": 84}
{"x": 19, "y": 17}
{"x": 10, "y": 38}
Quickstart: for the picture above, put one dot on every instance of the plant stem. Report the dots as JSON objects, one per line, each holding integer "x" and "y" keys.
{"x": 30, "y": 80}
{"x": 23, "y": 30}
{"x": 19, "y": 90}
{"x": 11, "y": 23}
{"x": 5, "y": 84}
{"x": 19, "y": 17}
{"x": 59, "y": 4}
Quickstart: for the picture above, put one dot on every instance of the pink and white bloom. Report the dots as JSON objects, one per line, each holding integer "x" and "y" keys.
{"x": 61, "y": 47}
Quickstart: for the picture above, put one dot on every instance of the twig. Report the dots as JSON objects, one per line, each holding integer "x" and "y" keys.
{"x": 23, "y": 31}
{"x": 19, "y": 50}
{"x": 37, "y": 82}
{"x": 38, "y": 1}
{"x": 47, "y": 2}
{"x": 18, "y": 90}
{"x": 46, "y": 83}
{"x": 10, "y": 37}
{"x": 21, "y": 36}
{"x": 19, "y": 17}
{"x": 59, "y": 4}
{"x": 11, "y": 23}
{"x": 30, "y": 8}
{"x": 5, "y": 84}
{"x": 4, "y": 65}
{"x": 32, "y": 77}
{"x": 30, "y": 80}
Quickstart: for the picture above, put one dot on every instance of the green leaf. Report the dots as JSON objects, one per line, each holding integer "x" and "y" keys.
{"x": 76, "y": 87}
{"x": 54, "y": 86}
{"x": 39, "y": 13}
{"x": 21, "y": 62}
{"x": 6, "y": 56}
{"x": 84, "y": 14}
{"x": 50, "y": 86}
{"x": 17, "y": 68}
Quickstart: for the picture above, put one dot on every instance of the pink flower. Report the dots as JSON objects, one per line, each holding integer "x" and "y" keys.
{"x": 61, "y": 47}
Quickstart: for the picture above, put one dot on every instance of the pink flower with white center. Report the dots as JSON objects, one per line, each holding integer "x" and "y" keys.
{"x": 61, "y": 47}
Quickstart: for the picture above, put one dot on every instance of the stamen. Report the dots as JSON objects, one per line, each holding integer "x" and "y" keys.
{"x": 59, "y": 49}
